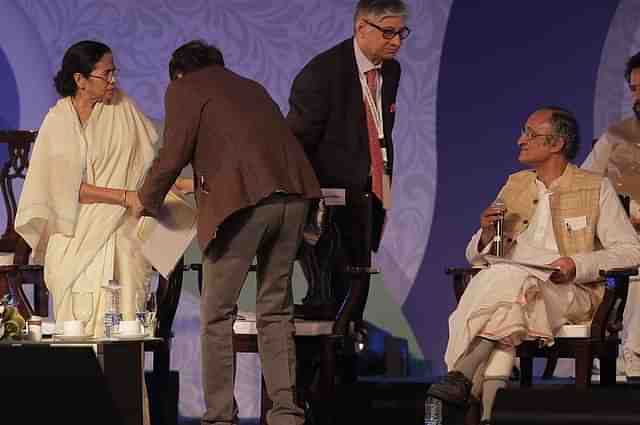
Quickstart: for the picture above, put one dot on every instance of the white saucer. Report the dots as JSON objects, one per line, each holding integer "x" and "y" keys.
{"x": 73, "y": 337}
{"x": 131, "y": 336}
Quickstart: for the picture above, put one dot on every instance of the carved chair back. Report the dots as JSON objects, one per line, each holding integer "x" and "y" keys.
{"x": 16, "y": 273}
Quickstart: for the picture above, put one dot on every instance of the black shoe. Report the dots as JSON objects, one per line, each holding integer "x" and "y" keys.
{"x": 454, "y": 388}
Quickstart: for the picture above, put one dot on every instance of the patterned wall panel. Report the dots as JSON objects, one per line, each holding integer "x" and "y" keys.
{"x": 268, "y": 41}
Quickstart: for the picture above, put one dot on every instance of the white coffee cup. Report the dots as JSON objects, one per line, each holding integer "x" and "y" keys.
{"x": 34, "y": 325}
{"x": 129, "y": 327}
{"x": 73, "y": 328}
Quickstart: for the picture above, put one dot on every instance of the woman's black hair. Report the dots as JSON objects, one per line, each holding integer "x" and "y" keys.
{"x": 81, "y": 57}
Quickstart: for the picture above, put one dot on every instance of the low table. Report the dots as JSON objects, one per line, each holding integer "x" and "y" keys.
{"x": 89, "y": 381}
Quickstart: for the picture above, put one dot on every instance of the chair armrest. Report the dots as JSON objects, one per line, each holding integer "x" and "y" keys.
{"x": 620, "y": 273}
{"x": 607, "y": 319}
{"x": 12, "y": 280}
{"x": 461, "y": 276}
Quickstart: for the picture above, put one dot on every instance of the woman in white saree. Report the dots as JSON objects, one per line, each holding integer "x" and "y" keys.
{"x": 94, "y": 146}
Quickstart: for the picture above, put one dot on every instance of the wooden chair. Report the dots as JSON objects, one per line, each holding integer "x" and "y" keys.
{"x": 581, "y": 342}
{"x": 311, "y": 336}
{"x": 15, "y": 272}
{"x": 18, "y": 275}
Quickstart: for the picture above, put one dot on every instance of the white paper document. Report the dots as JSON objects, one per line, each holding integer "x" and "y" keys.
{"x": 540, "y": 271}
{"x": 492, "y": 259}
{"x": 166, "y": 237}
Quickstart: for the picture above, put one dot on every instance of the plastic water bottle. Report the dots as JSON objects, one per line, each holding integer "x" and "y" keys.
{"x": 112, "y": 315}
{"x": 432, "y": 411}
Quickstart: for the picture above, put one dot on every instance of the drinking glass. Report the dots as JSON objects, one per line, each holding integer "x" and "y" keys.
{"x": 82, "y": 306}
{"x": 147, "y": 307}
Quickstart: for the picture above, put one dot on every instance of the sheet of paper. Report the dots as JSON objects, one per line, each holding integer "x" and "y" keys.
{"x": 492, "y": 259}
{"x": 165, "y": 238}
{"x": 540, "y": 271}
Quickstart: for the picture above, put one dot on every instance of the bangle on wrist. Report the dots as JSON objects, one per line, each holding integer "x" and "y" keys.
{"x": 124, "y": 199}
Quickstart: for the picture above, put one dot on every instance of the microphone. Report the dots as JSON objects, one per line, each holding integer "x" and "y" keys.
{"x": 498, "y": 240}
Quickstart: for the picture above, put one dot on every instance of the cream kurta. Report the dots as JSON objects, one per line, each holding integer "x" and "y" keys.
{"x": 85, "y": 245}
{"x": 508, "y": 304}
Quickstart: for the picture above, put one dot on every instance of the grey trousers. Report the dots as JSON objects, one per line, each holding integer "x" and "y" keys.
{"x": 272, "y": 232}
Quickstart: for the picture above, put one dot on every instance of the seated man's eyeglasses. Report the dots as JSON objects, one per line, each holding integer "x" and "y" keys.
{"x": 388, "y": 33}
{"x": 527, "y": 133}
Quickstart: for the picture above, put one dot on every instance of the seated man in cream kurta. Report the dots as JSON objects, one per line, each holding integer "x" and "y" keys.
{"x": 555, "y": 214}
{"x": 616, "y": 154}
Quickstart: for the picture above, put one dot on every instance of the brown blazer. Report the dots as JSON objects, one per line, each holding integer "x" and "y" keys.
{"x": 238, "y": 142}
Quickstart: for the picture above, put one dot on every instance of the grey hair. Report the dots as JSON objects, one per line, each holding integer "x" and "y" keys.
{"x": 380, "y": 9}
{"x": 565, "y": 125}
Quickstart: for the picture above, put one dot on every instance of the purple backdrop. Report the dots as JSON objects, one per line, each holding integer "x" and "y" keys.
{"x": 268, "y": 41}
{"x": 496, "y": 68}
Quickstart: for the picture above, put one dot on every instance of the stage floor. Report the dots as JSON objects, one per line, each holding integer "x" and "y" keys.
{"x": 374, "y": 400}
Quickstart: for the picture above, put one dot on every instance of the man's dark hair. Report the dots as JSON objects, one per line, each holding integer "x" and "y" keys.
{"x": 193, "y": 56}
{"x": 379, "y": 8}
{"x": 632, "y": 63}
{"x": 79, "y": 58}
{"x": 565, "y": 125}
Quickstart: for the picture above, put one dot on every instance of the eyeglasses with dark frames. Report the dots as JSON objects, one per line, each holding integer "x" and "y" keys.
{"x": 390, "y": 33}
{"x": 109, "y": 80}
{"x": 528, "y": 134}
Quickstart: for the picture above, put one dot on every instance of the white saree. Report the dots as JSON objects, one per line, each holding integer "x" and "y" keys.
{"x": 83, "y": 246}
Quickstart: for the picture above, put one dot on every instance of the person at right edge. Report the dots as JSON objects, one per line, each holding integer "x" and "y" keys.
{"x": 342, "y": 110}
{"x": 616, "y": 154}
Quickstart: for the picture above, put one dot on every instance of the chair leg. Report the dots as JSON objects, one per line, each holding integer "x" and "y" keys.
{"x": 607, "y": 370}
{"x": 526, "y": 371}
{"x": 550, "y": 366}
{"x": 160, "y": 405}
{"x": 324, "y": 401}
{"x": 265, "y": 403}
{"x": 41, "y": 300}
{"x": 584, "y": 364}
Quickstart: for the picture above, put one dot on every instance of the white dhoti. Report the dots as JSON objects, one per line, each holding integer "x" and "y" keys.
{"x": 506, "y": 303}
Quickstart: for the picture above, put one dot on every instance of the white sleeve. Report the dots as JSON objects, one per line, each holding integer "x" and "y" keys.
{"x": 598, "y": 159}
{"x": 620, "y": 243}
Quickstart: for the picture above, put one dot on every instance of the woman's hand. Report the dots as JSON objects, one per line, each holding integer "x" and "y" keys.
{"x": 184, "y": 185}
{"x": 133, "y": 204}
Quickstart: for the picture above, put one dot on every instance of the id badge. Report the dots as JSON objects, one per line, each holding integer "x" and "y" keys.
{"x": 384, "y": 155}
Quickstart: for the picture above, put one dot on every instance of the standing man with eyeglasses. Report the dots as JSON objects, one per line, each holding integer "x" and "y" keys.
{"x": 342, "y": 110}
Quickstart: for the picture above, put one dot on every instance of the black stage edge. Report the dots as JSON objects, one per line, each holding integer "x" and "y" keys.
{"x": 400, "y": 401}
{"x": 379, "y": 400}
{"x": 564, "y": 405}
